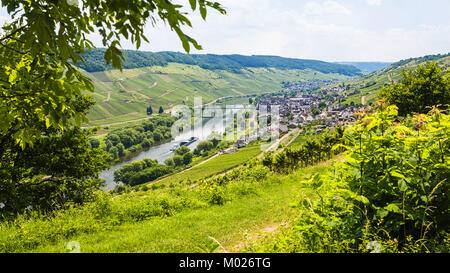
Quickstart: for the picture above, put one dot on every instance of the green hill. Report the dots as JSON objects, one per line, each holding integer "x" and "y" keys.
{"x": 369, "y": 85}
{"x": 234, "y": 63}
{"x": 124, "y": 96}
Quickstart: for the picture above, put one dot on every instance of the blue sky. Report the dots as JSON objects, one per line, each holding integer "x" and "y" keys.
{"x": 329, "y": 30}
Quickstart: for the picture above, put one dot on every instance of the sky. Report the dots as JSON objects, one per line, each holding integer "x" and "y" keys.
{"x": 328, "y": 30}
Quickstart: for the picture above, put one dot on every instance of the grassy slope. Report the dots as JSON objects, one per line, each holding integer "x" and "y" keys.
{"x": 134, "y": 89}
{"x": 384, "y": 77}
{"x": 216, "y": 165}
{"x": 188, "y": 231}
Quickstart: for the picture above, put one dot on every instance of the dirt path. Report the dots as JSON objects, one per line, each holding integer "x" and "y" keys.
{"x": 279, "y": 141}
{"x": 269, "y": 228}
{"x": 204, "y": 161}
{"x": 168, "y": 92}
{"x": 153, "y": 85}
{"x": 108, "y": 97}
{"x": 255, "y": 235}
{"x": 237, "y": 92}
{"x": 390, "y": 79}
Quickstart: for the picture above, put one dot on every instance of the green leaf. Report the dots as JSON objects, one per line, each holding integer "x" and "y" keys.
{"x": 393, "y": 208}
{"x": 402, "y": 185}
{"x": 382, "y": 213}
{"x": 397, "y": 174}
{"x": 363, "y": 199}
{"x": 193, "y": 4}
{"x": 203, "y": 11}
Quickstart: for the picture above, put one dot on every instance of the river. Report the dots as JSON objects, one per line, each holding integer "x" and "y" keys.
{"x": 162, "y": 152}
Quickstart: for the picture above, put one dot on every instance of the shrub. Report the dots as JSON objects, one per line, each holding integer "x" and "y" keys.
{"x": 390, "y": 194}
{"x": 182, "y": 150}
{"x": 418, "y": 90}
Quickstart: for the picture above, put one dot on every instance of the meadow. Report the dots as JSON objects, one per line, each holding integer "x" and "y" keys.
{"x": 165, "y": 220}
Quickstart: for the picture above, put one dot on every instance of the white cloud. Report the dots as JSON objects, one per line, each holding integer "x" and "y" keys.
{"x": 3, "y": 20}
{"x": 328, "y": 8}
{"x": 374, "y": 2}
{"x": 330, "y": 30}
{"x": 324, "y": 30}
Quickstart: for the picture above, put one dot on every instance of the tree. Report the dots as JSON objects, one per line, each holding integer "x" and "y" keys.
{"x": 215, "y": 141}
{"x": 120, "y": 149}
{"x": 95, "y": 143}
{"x": 315, "y": 111}
{"x": 203, "y": 146}
{"x": 43, "y": 94}
{"x": 187, "y": 158}
{"x": 182, "y": 150}
{"x": 149, "y": 111}
{"x": 161, "y": 110}
{"x": 146, "y": 143}
{"x": 419, "y": 89}
{"x": 108, "y": 145}
{"x": 157, "y": 136}
{"x": 178, "y": 160}
{"x": 45, "y": 41}
{"x": 169, "y": 162}
{"x": 114, "y": 152}
{"x": 58, "y": 169}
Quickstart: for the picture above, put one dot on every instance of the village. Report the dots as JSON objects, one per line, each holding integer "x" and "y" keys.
{"x": 318, "y": 110}
{"x": 307, "y": 85}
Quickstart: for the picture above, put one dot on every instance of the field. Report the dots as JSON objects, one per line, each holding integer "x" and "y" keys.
{"x": 126, "y": 96}
{"x": 216, "y": 165}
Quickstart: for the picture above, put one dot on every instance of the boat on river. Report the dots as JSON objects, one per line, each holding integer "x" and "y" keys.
{"x": 184, "y": 143}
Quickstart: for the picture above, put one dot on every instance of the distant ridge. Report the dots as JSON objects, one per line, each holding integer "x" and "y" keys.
{"x": 368, "y": 66}
{"x": 416, "y": 61}
{"x": 233, "y": 63}
{"x": 369, "y": 85}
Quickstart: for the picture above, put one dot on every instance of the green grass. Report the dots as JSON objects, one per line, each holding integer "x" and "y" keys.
{"x": 216, "y": 165}
{"x": 114, "y": 121}
{"x": 189, "y": 230}
{"x": 301, "y": 139}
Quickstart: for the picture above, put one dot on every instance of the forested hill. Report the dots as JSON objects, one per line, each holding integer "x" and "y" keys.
{"x": 232, "y": 63}
{"x": 368, "y": 66}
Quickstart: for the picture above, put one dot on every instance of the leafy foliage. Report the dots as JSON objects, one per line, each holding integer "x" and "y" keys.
{"x": 60, "y": 168}
{"x": 44, "y": 157}
{"x": 144, "y": 134}
{"x": 419, "y": 90}
{"x": 389, "y": 195}
{"x": 308, "y": 153}
{"x": 44, "y": 42}
{"x": 203, "y": 147}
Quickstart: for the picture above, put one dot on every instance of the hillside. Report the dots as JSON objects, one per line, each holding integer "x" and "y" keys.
{"x": 369, "y": 85}
{"x": 124, "y": 96}
{"x": 233, "y": 63}
{"x": 368, "y": 66}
